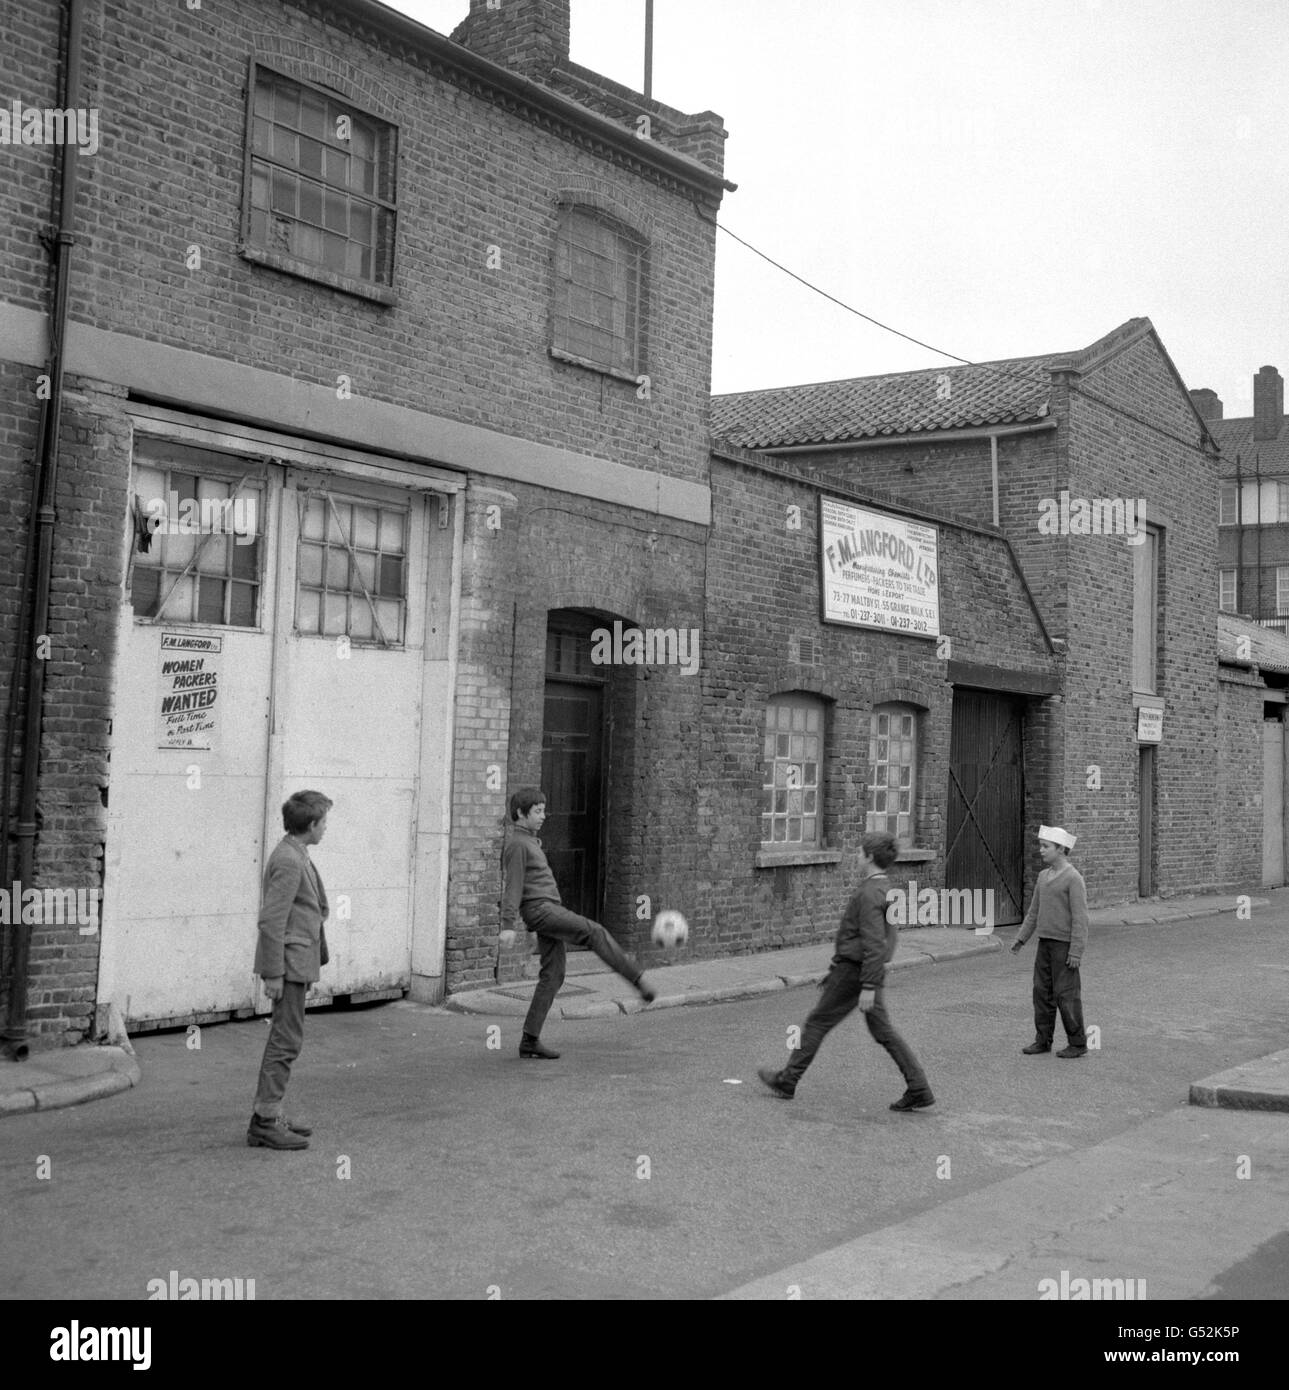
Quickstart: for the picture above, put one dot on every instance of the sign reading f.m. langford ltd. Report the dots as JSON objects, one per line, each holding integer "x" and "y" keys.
{"x": 186, "y": 716}
{"x": 878, "y": 570}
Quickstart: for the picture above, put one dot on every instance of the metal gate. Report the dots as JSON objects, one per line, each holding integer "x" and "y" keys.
{"x": 984, "y": 845}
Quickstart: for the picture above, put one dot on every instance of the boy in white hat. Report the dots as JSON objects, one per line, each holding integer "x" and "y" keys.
{"x": 1059, "y": 909}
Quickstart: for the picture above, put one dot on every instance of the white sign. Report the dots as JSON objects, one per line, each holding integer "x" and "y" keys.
{"x": 1150, "y": 725}
{"x": 186, "y": 715}
{"x": 878, "y": 570}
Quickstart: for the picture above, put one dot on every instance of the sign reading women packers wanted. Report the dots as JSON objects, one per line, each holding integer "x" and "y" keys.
{"x": 189, "y": 690}
{"x": 878, "y": 570}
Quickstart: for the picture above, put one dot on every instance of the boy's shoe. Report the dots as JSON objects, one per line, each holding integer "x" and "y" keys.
{"x": 533, "y": 1047}
{"x": 273, "y": 1134}
{"x": 771, "y": 1079}
{"x": 914, "y": 1100}
{"x": 1036, "y": 1047}
{"x": 645, "y": 991}
{"x": 1073, "y": 1051}
{"x": 297, "y": 1128}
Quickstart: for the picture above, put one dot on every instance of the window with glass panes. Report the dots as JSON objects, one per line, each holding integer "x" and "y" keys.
{"x": 892, "y": 761}
{"x": 321, "y": 180}
{"x": 791, "y": 815}
{"x": 352, "y": 572}
{"x": 1226, "y": 591}
{"x": 599, "y": 284}
{"x": 202, "y": 562}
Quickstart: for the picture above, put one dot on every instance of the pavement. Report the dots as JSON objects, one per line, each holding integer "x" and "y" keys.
{"x": 58, "y": 1077}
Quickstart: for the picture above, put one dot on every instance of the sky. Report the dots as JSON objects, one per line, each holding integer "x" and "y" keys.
{"x": 996, "y": 178}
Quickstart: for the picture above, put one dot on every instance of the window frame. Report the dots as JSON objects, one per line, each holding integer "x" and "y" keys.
{"x": 1227, "y": 577}
{"x": 806, "y": 703}
{"x": 384, "y": 200}
{"x": 891, "y": 708}
{"x": 243, "y": 476}
{"x": 332, "y": 497}
{"x": 635, "y": 306}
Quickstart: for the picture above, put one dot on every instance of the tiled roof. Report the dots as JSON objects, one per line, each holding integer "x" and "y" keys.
{"x": 1269, "y": 456}
{"x": 1267, "y": 648}
{"x": 1013, "y": 391}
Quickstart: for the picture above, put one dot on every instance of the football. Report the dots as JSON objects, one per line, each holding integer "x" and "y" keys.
{"x": 670, "y": 929}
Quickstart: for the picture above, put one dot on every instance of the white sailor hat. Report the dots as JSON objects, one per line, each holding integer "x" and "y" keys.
{"x": 1056, "y": 835}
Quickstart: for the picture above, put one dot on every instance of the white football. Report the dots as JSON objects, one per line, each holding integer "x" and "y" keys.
{"x": 670, "y": 929}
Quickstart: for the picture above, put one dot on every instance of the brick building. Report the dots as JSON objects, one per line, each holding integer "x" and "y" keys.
{"x": 378, "y": 360}
{"x": 1253, "y": 501}
{"x": 1067, "y": 455}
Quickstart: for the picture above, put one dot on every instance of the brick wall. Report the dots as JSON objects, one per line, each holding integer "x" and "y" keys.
{"x": 477, "y": 179}
{"x": 1237, "y": 808}
{"x": 1083, "y": 588}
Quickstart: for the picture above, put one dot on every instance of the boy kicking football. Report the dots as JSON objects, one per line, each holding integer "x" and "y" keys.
{"x": 865, "y": 942}
{"x": 529, "y": 891}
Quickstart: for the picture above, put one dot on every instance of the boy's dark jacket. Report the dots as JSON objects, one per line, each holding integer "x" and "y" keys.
{"x": 865, "y": 937}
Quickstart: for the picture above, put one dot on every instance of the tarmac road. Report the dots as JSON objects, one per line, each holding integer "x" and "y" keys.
{"x": 442, "y": 1167}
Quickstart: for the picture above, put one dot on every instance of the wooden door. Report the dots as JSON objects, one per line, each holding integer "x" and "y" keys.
{"x": 984, "y": 845}
{"x": 572, "y": 778}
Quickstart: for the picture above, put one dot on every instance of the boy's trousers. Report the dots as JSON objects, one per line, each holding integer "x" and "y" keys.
{"x": 1056, "y": 986}
{"x": 840, "y": 997}
{"x": 286, "y": 1037}
{"x": 554, "y": 925}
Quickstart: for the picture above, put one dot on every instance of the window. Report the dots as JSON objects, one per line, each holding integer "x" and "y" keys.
{"x": 1256, "y": 502}
{"x": 793, "y": 758}
{"x": 352, "y": 575}
{"x": 1145, "y": 611}
{"x": 892, "y": 760}
{"x": 1282, "y": 591}
{"x": 1226, "y": 504}
{"x": 321, "y": 182}
{"x": 1226, "y": 591}
{"x": 599, "y": 291}
{"x": 198, "y": 541}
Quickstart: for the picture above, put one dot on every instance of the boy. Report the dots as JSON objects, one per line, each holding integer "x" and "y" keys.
{"x": 291, "y": 949}
{"x": 529, "y": 890}
{"x": 1059, "y": 908}
{"x": 865, "y": 942}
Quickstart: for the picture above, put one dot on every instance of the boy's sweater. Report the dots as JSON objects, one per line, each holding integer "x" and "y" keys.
{"x": 1059, "y": 909}
{"x": 525, "y": 875}
{"x": 865, "y": 936}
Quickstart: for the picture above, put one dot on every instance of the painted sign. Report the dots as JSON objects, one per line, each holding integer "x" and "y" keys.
{"x": 1150, "y": 725}
{"x": 187, "y": 714}
{"x": 878, "y": 570}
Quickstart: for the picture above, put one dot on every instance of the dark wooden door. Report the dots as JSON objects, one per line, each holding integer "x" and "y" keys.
{"x": 572, "y": 778}
{"x": 984, "y": 846}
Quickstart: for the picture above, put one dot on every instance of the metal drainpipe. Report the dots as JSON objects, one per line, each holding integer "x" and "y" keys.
{"x": 993, "y": 463}
{"x": 33, "y": 621}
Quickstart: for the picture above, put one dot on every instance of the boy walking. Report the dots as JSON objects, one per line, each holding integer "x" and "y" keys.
{"x": 1059, "y": 909}
{"x": 865, "y": 942}
{"x": 292, "y": 947}
{"x": 529, "y": 891}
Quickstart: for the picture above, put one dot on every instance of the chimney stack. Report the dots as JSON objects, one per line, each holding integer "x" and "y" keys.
{"x": 1207, "y": 402}
{"x": 530, "y": 37}
{"x": 1268, "y": 404}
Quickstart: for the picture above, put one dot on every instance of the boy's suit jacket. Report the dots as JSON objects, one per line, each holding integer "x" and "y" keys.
{"x": 291, "y": 941}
